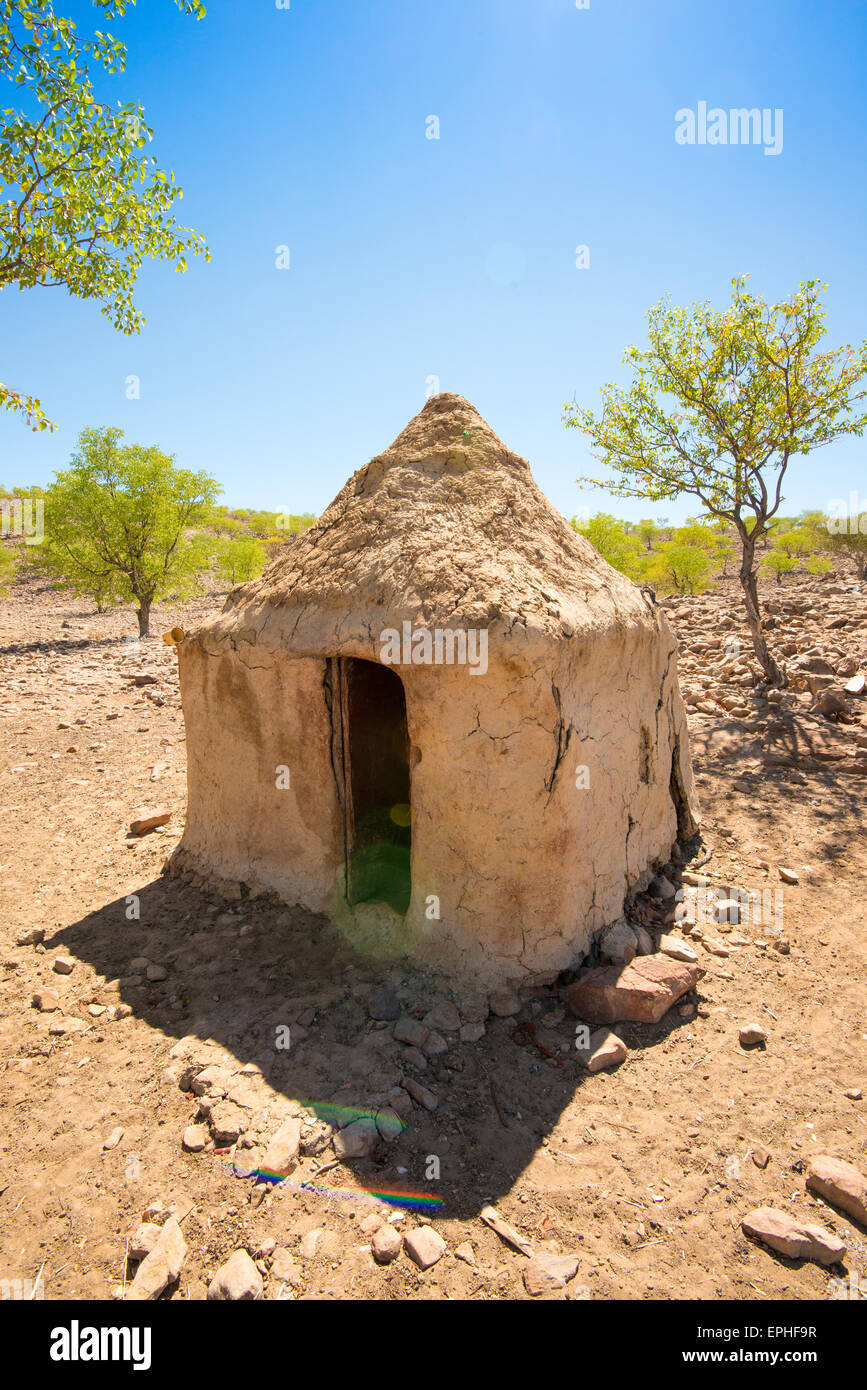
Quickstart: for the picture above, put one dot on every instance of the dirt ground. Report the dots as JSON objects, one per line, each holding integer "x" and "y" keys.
{"x": 643, "y": 1172}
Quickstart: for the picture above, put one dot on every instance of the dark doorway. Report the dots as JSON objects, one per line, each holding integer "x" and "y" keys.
{"x": 376, "y": 784}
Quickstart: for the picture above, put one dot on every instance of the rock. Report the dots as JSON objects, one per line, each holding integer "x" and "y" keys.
{"x": 853, "y": 1093}
{"x": 207, "y": 1081}
{"x": 605, "y": 1050}
{"x": 420, "y": 1093}
{"x": 472, "y": 1032}
{"x": 761, "y": 1156}
{"x": 46, "y": 1001}
{"x": 356, "y": 1140}
{"x": 236, "y": 1280}
{"x": 384, "y": 1005}
{"x": 661, "y": 886}
{"x": 281, "y": 1156}
{"x": 465, "y": 1252}
{"x": 389, "y": 1125}
{"x": 678, "y": 950}
{"x": 618, "y": 943}
{"x": 788, "y": 875}
{"x": 435, "y": 1045}
{"x": 504, "y": 1003}
{"x": 443, "y": 1018}
{"x": 32, "y": 937}
{"x": 751, "y": 1035}
{"x": 425, "y": 1246}
{"x": 157, "y": 972}
{"x": 410, "y": 1031}
{"x": 162, "y": 1266}
{"x": 386, "y": 1244}
{"x": 147, "y": 823}
{"x": 228, "y": 1123}
{"x": 840, "y": 1183}
{"x": 143, "y": 1240}
{"x": 640, "y": 992}
{"x": 492, "y": 1218}
{"x": 194, "y": 1138}
{"x": 855, "y": 686}
{"x": 413, "y": 1058}
{"x": 64, "y": 965}
{"x": 645, "y": 940}
{"x": 113, "y": 1139}
{"x": 284, "y": 1267}
{"x": 546, "y": 1273}
{"x": 797, "y": 1239}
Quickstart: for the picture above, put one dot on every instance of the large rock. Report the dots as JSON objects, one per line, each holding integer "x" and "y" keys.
{"x": 162, "y": 1266}
{"x": 640, "y": 992}
{"x": 425, "y": 1245}
{"x": 800, "y": 1240}
{"x": 840, "y": 1183}
{"x": 238, "y": 1279}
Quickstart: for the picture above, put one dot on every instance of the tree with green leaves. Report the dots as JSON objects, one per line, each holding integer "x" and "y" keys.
{"x": 8, "y": 566}
{"x": 120, "y": 523}
{"x": 779, "y": 562}
{"x": 848, "y": 536}
{"x": 613, "y": 540}
{"x": 719, "y": 404}
{"x": 81, "y": 204}
{"x": 239, "y": 558}
{"x": 680, "y": 566}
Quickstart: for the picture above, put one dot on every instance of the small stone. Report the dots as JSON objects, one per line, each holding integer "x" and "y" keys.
{"x": 64, "y": 965}
{"x": 145, "y": 824}
{"x": 751, "y": 1035}
{"x": 236, "y": 1280}
{"x": 841, "y": 1183}
{"x": 32, "y": 937}
{"x": 678, "y": 950}
{"x": 162, "y": 1266}
{"x": 389, "y": 1124}
{"x": 281, "y": 1155}
{"x": 547, "y": 1273}
{"x": 157, "y": 972}
{"x": 384, "y": 1005}
{"x": 228, "y": 1123}
{"x": 143, "y": 1240}
{"x": 356, "y": 1140}
{"x": 465, "y": 1252}
{"x": 797, "y": 1239}
{"x": 420, "y": 1093}
{"x": 443, "y": 1018}
{"x": 855, "y": 686}
{"x": 425, "y": 1246}
{"x": 504, "y": 1003}
{"x": 788, "y": 875}
{"x": 472, "y": 1032}
{"x": 435, "y": 1045}
{"x": 386, "y": 1245}
{"x": 46, "y": 1001}
{"x": 284, "y": 1268}
{"x": 853, "y": 1093}
{"x": 113, "y": 1139}
{"x": 410, "y": 1031}
{"x": 618, "y": 942}
{"x": 194, "y": 1139}
{"x": 760, "y": 1156}
{"x": 605, "y": 1050}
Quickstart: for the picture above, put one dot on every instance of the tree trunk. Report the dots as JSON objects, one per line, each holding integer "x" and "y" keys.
{"x": 144, "y": 617}
{"x": 774, "y": 674}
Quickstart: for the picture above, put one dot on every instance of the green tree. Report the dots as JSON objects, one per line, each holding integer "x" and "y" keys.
{"x": 848, "y": 536}
{"x": 613, "y": 541}
{"x": 719, "y": 404}
{"x": 681, "y": 566}
{"x": 780, "y": 563}
{"x": 118, "y": 523}
{"x": 83, "y": 206}
{"x": 239, "y": 559}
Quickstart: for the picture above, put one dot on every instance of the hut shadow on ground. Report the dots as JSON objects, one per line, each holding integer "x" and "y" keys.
{"x": 497, "y": 1098}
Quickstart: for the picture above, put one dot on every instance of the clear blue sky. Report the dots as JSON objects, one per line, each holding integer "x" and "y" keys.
{"x": 454, "y": 257}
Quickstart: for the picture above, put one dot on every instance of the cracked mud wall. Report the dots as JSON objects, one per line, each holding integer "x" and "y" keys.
{"x": 247, "y": 713}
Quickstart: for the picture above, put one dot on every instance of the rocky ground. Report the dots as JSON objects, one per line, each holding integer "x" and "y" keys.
{"x": 167, "y": 1053}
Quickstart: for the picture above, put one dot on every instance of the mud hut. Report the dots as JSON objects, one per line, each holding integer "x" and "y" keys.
{"x": 439, "y": 717}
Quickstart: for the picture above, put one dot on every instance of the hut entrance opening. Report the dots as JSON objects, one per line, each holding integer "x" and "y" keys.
{"x": 374, "y": 745}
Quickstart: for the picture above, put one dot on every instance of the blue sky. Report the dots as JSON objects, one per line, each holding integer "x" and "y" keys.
{"x": 413, "y": 258}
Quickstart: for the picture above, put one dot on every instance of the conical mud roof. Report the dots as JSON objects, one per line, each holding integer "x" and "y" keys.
{"x": 446, "y": 526}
